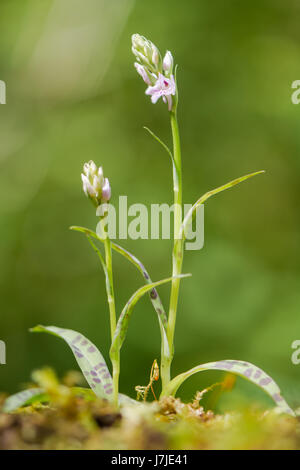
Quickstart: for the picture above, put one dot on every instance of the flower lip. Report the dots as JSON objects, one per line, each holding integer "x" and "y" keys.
{"x": 164, "y": 87}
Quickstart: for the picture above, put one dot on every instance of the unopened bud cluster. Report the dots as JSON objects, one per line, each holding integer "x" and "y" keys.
{"x": 95, "y": 186}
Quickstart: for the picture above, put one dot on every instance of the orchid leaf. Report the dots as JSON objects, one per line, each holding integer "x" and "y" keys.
{"x": 122, "y": 325}
{"x": 244, "y": 369}
{"x": 154, "y": 297}
{"x": 193, "y": 209}
{"x": 175, "y": 170}
{"x": 156, "y": 301}
{"x": 39, "y": 395}
{"x": 107, "y": 281}
{"x": 160, "y": 142}
{"x": 88, "y": 357}
{"x": 26, "y": 397}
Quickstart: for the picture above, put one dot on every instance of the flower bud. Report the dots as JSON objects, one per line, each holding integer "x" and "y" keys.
{"x": 143, "y": 73}
{"x": 106, "y": 191}
{"x": 155, "y": 56}
{"x": 168, "y": 64}
{"x": 140, "y": 56}
{"x": 95, "y": 186}
{"x": 138, "y": 42}
{"x": 146, "y": 53}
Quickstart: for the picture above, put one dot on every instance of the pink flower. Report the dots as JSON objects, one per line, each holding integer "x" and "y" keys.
{"x": 164, "y": 87}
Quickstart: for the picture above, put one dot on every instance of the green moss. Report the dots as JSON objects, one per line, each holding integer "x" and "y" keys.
{"x": 74, "y": 421}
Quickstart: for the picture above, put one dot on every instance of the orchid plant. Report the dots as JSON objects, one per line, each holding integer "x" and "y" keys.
{"x": 159, "y": 74}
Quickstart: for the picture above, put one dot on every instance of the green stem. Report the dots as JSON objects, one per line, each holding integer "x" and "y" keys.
{"x": 116, "y": 374}
{"x": 177, "y": 255}
{"x": 110, "y": 294}
{"x": 165, "y": 365}
{"x": 112, "y": 310}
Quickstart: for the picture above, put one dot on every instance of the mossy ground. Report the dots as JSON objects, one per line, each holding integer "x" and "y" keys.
{"x": 72, "y": 422}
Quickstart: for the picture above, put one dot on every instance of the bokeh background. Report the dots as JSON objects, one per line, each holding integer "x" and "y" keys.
{"x": 74, "y": 95}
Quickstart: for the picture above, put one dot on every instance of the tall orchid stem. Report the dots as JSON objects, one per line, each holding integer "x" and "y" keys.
{"x": 177, "y": 256}
{"x": 112, "y": 308}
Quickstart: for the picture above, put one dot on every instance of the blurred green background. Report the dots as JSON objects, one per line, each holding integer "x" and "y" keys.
{"x": 74, "y": 95}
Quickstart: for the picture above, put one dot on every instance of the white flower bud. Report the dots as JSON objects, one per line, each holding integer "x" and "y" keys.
{"x": 89, "y": 168}
{"x": 106, "y": 191}
{"x": 146, "y": 53}
{"x": 155, "y": 55}
{"x": 168, "y": 63}
{"x": 100, "y": 174}
{"x": 138, "y": 41}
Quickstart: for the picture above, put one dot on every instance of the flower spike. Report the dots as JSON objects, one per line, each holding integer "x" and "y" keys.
{"x": 156, "y": 73}
{"x": 95, "y": 186}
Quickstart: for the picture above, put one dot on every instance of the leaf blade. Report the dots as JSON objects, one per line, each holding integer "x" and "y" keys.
{"x": 88, "y": 357}
{"x": 26, "y": 397}
{"x": 155, "y": 299}
{"x": 244, "y": 369}
{"x": 124, "y": 318}
{"x": 160, "y": 142}
{"x": 174, "y": 167}
{"x": 213, "y": 192}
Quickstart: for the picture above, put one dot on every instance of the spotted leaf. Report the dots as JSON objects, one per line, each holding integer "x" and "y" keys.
{"x": 26, "y": 397}
{"x": 244, "y": 369}
{"x": 88, "y": 357}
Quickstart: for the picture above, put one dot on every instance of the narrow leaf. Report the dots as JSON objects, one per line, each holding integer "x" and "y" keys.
{"x": 88, "y": 357}
{"x": 244, "y": 369}
{"x": 175, "y": 171}
{"x": 122, "y": 325}
{"x": 154, "y": 297}
{"x": 107, "y": 281}
{"x": 211, "y": 193}
{"x": 160, "y": 142}
{"x": 26, "y": 397}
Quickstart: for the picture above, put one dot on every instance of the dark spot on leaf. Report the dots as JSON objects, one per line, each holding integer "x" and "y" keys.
{"x": 153, "y": 294}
